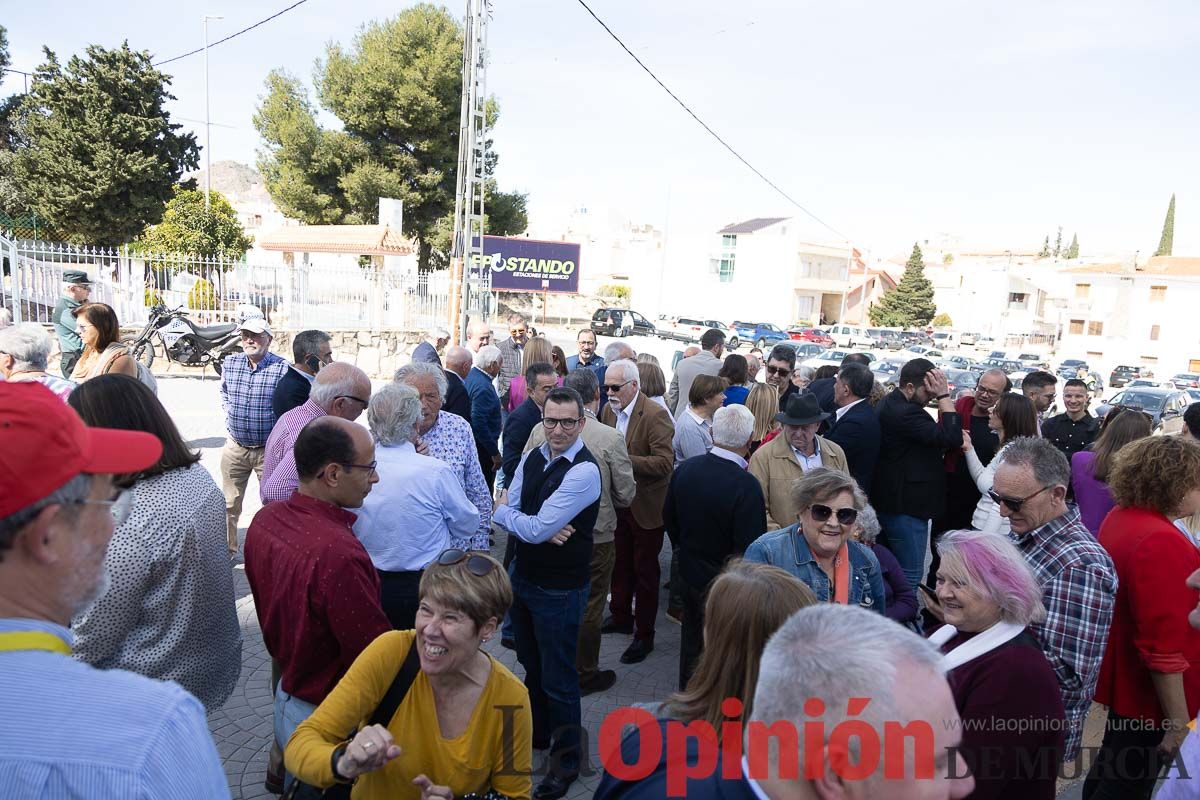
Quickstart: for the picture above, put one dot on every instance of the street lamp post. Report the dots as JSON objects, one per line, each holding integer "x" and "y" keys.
{"x": 207, "y": 121}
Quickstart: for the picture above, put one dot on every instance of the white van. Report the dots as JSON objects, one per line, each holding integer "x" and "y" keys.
{"x": 850, "y": 336}
{"x": 945, "y": 340}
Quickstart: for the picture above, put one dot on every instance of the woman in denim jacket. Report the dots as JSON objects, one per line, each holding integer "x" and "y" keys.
{"x": 818, "y": 550}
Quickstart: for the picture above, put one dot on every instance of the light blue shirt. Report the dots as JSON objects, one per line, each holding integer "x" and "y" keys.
{"x": 68, "y": 730}
{"x": 410, "y": 515}
{"x": 580, "y": 488}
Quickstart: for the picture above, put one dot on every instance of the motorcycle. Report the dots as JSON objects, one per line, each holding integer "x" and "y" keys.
{"x": 183, "y": 341}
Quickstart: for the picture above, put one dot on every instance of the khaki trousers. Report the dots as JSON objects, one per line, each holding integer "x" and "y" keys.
{"x": 237, "y": 463}
{"x": 587, "y": 657}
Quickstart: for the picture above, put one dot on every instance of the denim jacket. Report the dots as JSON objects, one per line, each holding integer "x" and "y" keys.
{"x": 787, "y": 549}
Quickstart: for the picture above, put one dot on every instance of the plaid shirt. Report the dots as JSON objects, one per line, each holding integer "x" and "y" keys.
{"x": 451, "y": 440}
{"x": 1079, "y": 585}
{"x": 246, "y": 397}
{"x": 512, "y": 355}
{"x": 279, "y": 476}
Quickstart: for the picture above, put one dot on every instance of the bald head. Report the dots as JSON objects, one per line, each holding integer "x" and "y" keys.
{"x": 458, "y": 360}
{"x": 479, "y": 335}
{"x": 691, "y": 350}
{"x": 342, "y": 390}
{"x": 334, "y": 459}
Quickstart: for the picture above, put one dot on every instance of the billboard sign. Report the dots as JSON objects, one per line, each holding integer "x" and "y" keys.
{"x": 529, "y": 265}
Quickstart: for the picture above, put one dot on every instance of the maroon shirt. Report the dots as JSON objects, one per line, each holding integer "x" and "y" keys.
{"x": 315, "y": 590}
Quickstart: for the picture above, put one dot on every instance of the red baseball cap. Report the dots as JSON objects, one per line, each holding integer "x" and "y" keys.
{"x": 44, "y": 443}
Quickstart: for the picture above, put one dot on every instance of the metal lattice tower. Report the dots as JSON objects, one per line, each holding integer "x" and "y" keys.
{"x": 471, "y": 275}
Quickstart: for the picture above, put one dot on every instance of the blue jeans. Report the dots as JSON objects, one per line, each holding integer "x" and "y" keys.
{"x": 908, "y": 539}
{"x": 546, "y": 627}
{"x": 288, "y": 713}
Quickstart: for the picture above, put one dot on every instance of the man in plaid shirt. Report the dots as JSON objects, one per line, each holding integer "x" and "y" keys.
{"x": 1078, "y": 580}
{"x": 512, "y": 351}
{"x": 248, "y": 382}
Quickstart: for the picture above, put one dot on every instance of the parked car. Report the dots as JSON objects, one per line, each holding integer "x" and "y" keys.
{"x": 960, "y": 382}
{"x": 832, "y": 358}
{"x": 804, "y": 349}
{"x": 968, "y": 339}
{"x": 1122, "y": 375}
{"x": 1033, "y": 361}
{"x": 1143, "y": 382}
{"x": 891, "y": 339}
{"x": 760, "y": 334}
{"x": 1193, "y": 394}
{"x": 921, "y": 351}
{"x": 886, "y": 372}
{"x": 985, "y": 343}
{"x": 956, "y": 362}
{"x": 815, "y": 335}
{"x": 1008, "y": 365}
{"x": 945, "y": 339}
{"x": 732, "y": 340}
{"x": 1164, "y": 405}
{"x": 1067, "y": 369}
{"x": 1186, "y": 380}
{"x": 851, "y": 336}
{"x": 682, "y": 329}
{"x": 607, "y": 322}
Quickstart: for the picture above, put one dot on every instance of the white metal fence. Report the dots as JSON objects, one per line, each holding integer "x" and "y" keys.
{"x": 305, "y": 296}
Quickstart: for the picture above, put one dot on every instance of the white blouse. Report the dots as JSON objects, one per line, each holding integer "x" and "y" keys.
{"x": 169, "y": 611}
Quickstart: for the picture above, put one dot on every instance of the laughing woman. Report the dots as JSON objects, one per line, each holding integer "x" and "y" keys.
{"x": 462, "y": 728}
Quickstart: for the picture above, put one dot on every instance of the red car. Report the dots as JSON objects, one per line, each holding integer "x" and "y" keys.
{"x": 815, "y": 335}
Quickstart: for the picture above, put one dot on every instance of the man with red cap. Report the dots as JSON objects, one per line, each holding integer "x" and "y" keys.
{"x": 70, "y": 730}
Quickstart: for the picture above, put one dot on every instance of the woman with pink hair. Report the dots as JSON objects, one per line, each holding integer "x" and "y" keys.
{"x": 1014, "y": 725}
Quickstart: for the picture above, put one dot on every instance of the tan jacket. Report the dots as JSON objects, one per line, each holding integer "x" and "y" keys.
{"x": 776, "y": 467}
{"x": 648, "y": 440}
{"x": 616, "y": 472}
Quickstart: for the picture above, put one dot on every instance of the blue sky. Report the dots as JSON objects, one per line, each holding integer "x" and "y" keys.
{"x": 994, "y": 122}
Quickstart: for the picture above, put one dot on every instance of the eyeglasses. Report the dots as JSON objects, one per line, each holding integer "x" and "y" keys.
{"x": 368, "y": 467}
{"x": 616, "y": 387}
{"x": 822, "y": 513}
{"x": 477, "y": 565}
{"x": 780, "y": 371}
{"x": 567, "y": 425}
{"x": 1014, "y": 504}
{"x": 119, "y": 506}
{"x": 364, "y": 403}
{"x": 984, "y": 390}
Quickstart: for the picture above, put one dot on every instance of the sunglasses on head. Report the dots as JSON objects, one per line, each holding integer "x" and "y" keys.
{"x": 822, "y": 513}
{"x": 1013, "y": 504}
{"x": 477, "y": 565}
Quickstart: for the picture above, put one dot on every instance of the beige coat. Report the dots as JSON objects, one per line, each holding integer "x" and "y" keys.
{"x": 776, "y": 467}
{"x": 648, "y": 440}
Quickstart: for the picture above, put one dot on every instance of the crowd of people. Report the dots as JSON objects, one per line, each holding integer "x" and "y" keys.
{"x": 967, "y": 564}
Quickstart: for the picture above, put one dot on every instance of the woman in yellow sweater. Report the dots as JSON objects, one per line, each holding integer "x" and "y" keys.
{"x": 463, "y": 728}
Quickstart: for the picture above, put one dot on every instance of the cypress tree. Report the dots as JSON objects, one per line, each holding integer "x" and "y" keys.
{"x": 1045, "y": 248}
{"x": 911, "y": 304}
{"x": 1073, "y": 250}
{"x": 1166, "y": 242}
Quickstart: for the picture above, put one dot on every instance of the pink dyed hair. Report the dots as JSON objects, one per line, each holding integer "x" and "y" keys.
{"x": 991, "y": 565}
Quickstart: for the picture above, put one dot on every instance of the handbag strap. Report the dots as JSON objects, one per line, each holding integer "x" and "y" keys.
{"x": 399, "y": 688}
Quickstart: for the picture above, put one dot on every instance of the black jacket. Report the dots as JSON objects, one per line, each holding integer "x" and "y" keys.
{"x": 291, "y": 392}
{"x": 858, "y": 434}
{"x": 911, "y": 476}
{"x": 517, "y": 428}
{"x": 717, "y": 510}
{"x": 823, "y": 391}
{"x": 457, "y": 400}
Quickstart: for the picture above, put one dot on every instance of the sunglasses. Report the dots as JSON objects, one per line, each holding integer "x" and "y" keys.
{"x": 477, "y": 565}
{"x": 1013, "y": 504}
{"x": 779, "y": 371}
{"x": 364, "y": 403}
{"x": 822, "y": 513}
{"x": 616, "y": 387}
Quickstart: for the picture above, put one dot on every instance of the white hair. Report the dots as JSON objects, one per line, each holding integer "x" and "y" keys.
{"x": 488, "y": 356}
{"x": 334, "y": 380}
{"x": 732, "y": 426}
{"x": 28, "y": 343}
{"x": 393, "y": 414}
{"x": 834, "y": 653}
{"x": 629, "y": 370}
{"x": 438, "y": 333}
{"x": 5, "y": 317}
{"x": 414, "y": 368}
{"x": 616, "y": 351}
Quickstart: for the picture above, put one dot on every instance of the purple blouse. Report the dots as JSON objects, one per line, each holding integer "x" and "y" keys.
{"x": 1093, "y": 496}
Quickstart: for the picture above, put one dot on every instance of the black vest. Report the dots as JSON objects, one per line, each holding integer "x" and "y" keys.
{"x": 549, "y": 565}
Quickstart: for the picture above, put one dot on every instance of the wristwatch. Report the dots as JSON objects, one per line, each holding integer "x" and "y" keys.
{"x": 941, "y": 396}
{"x": 333, "y": 760}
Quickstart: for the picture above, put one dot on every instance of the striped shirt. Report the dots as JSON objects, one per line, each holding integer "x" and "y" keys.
{"x": 61, "y": 387}
{"x": 279, "y": 475}
{"x": 246, "y": 397}
{"x": 451, "y": 440}
{"x": 71, "y": 730}
{"x": 1079, "y": 587}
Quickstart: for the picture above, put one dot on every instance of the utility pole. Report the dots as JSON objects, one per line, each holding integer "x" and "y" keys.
{"x": 846, "y": 291}
{"x": 469, "y": 275}
{"x": 207, "y": 121}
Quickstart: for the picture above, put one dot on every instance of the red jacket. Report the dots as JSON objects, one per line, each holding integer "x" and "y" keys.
{"x": 1150, "y": 631}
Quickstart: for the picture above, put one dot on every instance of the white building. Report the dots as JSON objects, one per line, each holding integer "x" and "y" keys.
{"x": 1119, "y": 313}
{"x": 1008, "y": 296}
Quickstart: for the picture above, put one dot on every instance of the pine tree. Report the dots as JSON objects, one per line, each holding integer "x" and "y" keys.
{"x": 1073, "y": 250}
{"x": 911, "y": 303}
{"x": 1166, "y": 242}
{"x": 1058, "y": 243}
{"x": 1045, "y": 248}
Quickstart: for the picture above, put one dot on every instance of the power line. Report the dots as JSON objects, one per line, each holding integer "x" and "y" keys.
{"x": 704, "y": 125}
{"x": 233, "y": 35}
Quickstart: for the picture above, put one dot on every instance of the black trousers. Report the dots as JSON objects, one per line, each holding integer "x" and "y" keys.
{"x": 68, "y": 362}
{"x": 691, "y": 638}
{"x": 399, "y": 595}
{"x": 1127, "y": 764}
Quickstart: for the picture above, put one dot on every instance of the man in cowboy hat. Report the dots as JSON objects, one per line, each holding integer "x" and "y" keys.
{"x": 77, "y": 287}
{"x": 795, "y": 451}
